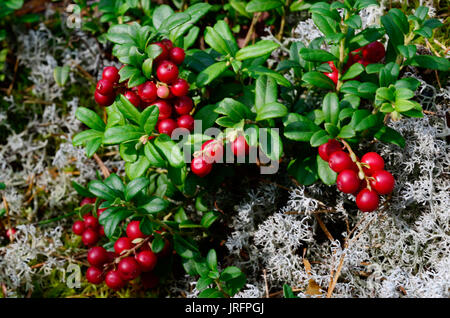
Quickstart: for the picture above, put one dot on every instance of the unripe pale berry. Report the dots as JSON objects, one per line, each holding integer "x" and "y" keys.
{"x": 186, "y": 121}
{"x": 78, "y": 227}
{"x": 90, "y": 237}
{"x": 212, "y": 150}
{"x": 328, "y": 148}
{"x": 374, "y": 161}
{"x": 94, "y": 275}
{"x": 383, "y": 181}
{"x": 163, "y": 91}
{"x": 111, "y": 73}
{"x": 147, "y": 260}
{"x": 340, "y": 161}
{"x": 114, "y": 281}
{"x": 347, "y": 181}
{"x": 104, "y": 100}
{"x": 128, "y": 268}
{"x": 167, "y": 72}
{"x": 122, "y": 244}
{"x": 180, "y": 87}
{"x": 367, "y": 200}
{"x": 183, "y": 105}
{"x": 133, "y": 230}
{"x": 177, "y": 55}
{"x": 200, "y": 166}
{"x": 166, "y": 126}
{"x": 97, "y": 256}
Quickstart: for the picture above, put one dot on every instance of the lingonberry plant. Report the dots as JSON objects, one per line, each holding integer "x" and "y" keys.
{"x": 136, "y": 226}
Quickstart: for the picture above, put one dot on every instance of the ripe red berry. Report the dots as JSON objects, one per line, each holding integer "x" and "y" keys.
{"x": 163, "y": 91}
{"x": 374, "y": 161}
{"x": 340, "y": 161}
{"x": 10, "y": 233}
{"x": 164, "y": 53}
{"x": 149, "y": 280}
{"x": 167, "y": 43}
{"x": 105, "y": 87}
{"x": 183, "y": 105}
{"x": 180, "y": 87}
{"x": 133, "y": 98}
{"x": 94, "y": 275}
{"x": 348, "y": 181}
{"x": 87, "y": 201}
{"x": 101, "y": 230}
{"x": 111, "y": 73}
{"x": 200, "y": 166}
{"x": 104, "y": 100}
{"x": 113, "y": 280}
{"x": 363, "y": 62}
{"x": 147, "y": 260}
{"x": 128, "y": 268}
{"x": 97, "y": 256}
{"x": 90, "y": 237}
{"x": 167, "y": 72}
{"x": 147, "y": 92}
{"x": 212, "y": 150}
{"x": 383, "y": 181}
{"x": 133, "y": 230}
{"x": 90, "y": 221}
{"x": 78, "y": 227}
{"x": 100, "y": 211}
{"x": 373, "y": 52}
{"x": 177, "y": 55}
{"x": 328, "y": 148}
{"x": 186, "y": 121}
{"x": 166, "y": 126}
{"x": 367, "y": 201}
{"x": 240, "y": 147}
{"x": 122, "y": 244}
{"x": 165, "y": 110}
{"x": 334, "y": 72}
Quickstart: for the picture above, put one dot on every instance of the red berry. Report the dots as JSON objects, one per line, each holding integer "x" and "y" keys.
{"x": 100, "y": 211}
{"x": 186, "y": 121}
{"x": 340, "y": 161}
{"x": 101, "y": 230}
{"x": 78, "y": 227}
{"x": 149, "y": 280}
{"x": 147, "y": 92}
{"x": 94, "y": 275}
{"x": 334, "y": 72}
{"x": 374, "y": 52}
{"x": 133, "y": 98}
{"x": 133, "y": 230}
{"x": 113, "y": 280}
{"x": 163, "y": 91}
{"x": 180, "y": 87}
{"x": 10, "y": 233}
{"x": 177, "y": 55}
{"x": 165, "y": 110}
{"x": 363, "y": 62}
{"x": 240, "y": 147}
{"x": 200, "y": 166}
{"x": 128, "y": 268}
{"x": 105, "y": 87}
{"x": 167, "y": 43}
{"x": 111, "y": 73}
{"x": 166, "y": 126}
{"x": 212, "y": 150}
{"x": 90, "y": 237}
{"x": 104, "y": 100}
{"x": 164, "y": 53}
{"x": 383, "y": 181}
{"x": 87, "y": 201}
{"x": 374, "y": 161}
{"x": 90, "y": 221}
{"x": 167, "y": 72}
{"x": 328, "y": 148}
{"x": 122, "y": 244}
{"x": 367, "y": 201}
{"x": 183, "y": 105}
{"x": 97, "y": 256}
{"x": 348, "y": 181}
{"x": 146, "y": 260}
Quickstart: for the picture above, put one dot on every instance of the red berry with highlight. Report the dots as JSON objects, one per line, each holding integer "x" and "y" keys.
{"x": 10, "y": 233}
{"x": 133, "y": 98}
{"x": 347, "y": 181}
{"x": 111, "y": 73}
{"x": 114, "y": 281}
{"x": 367, "y": 200}
{"x": 87, "y": 201}
{"x": 177, "y": 55}
{"x": 165, "y": 110}
{"x": 94, "y": 275}
{"x": 122, "y": 244}
{"x": 164, "y": 52}
{"x": 186, "y": 121}
{"x": 147, "y": 92}
{"x": 383, "y": 182}
{"x": 340, "y": 161}
{"x": 133, "y": 230}
{"x": 104, "y": 100}
{"x": 147, "y": 260}
{"x": 212, "y": 151}
{"x": 78, "y": 227}
{"x": 167, "y": 43}
{"x": 105, "y": 87}
{"x": 97, "y": 256}
{"x": 167, "y": 72}
{"x": 128, "y": 268}
{"x": 374, "y": 161}
{"x": 167, "y": 126}
{"x": 200, "y": 166}
{"x": 373, "y": 52}
{"x": 183, "y": 105}
{"x": 90, "y": 221}
{"x": 328, "y": 148}
{"x": 240, "y": 147}
{"x": 90, "y": 237}
{"x": 180, "y": 87}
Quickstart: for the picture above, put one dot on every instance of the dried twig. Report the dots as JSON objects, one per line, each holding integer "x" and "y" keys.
{"x": 251, "y": 29}
{"x": 265, "y": 283}
{"x": 103, "y": 168}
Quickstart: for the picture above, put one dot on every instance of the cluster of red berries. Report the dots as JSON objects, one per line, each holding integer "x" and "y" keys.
{"x": 371, "y": 53}
{"x": 168, "y": 92}
{"x": 89, "y": 229}
{"x": 132, "y": 256}
{"x": 212, "y": 151}
{"x": 367, "y": 178}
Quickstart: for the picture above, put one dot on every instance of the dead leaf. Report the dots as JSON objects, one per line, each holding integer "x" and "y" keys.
{"x": 313, "y": 288}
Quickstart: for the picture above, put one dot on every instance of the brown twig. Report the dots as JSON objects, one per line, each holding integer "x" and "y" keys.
{"x": 265, "y": 283}
{"x": 324, "y": 228}
{"x": 16, "y": 66}
{"x": 103, "y": 168}
{"x": 251, "y": 29}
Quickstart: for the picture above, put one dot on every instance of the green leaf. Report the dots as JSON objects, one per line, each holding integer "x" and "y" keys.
{"x": 169, "y": 150}
{"x": 153, "y": 156}
{"x": 211, "y": 260}
{"x": 234, "y": 279}
{"x": 209, "y": 218}
{"x": 111, "y": 218}
{"x": 119, "y": 34}
{"x": 149, "y": 118}
{"x": 128, "y": 152}
{"x": 330, "y": 108}
{"x": 184, "y": 247}
{"x": 347, "y": 132}
{"x": 318, "y": 79}
{"x": 319, "y": 138}
{"x": 154, "y": 205}
{"x": 326, "y": 25}
{"x": 115, "y": 183}
{"x": 119, "y": 134}
{"x": 138, "y": 168}
{"x": 61, "y": 75}
{"x": 408, "y": 51}
{"x": 387, "y": 134}
{"x": 211, "y": 293}
{"x": 258, "y": 70}
{"x": 222, "y": 28}
{"x": 100, "y": 190}
{"x": 215, "y": 40}
{"x": 160, "y": 14}
{"x": 271, "y": 110}
{"x": 203, "y": 282}
{"x": 265, "y": 91}
{"x": 158, "y": 244}
{"x": 86, "y": 136}
{"x": 354, "y": 22}
{"x": 403, "y": 105}
{"x": 403, "y": 93}
{"x": 135, "y": 186}
{"x": 300, "y": 130}
{"x": 239, "y": 7}
{"x": 90, "y": 118}
{"x": 287, "y": 292}
{"x": 374, "y": 68}
{"x": 393, "y": 30}
{"x": 316, "y": 55}
{"x": 263, "y": 5}
{"x": 173, "y": 21}
{"x": 147, "y": 66}
{"x": 211, "y": 73}
{"x": 235, "y": 110}
{"x": 270, "y": 143}
{"x": 367, "y": 122}
{"x": 324, "y": 171}
{"x": 365, "y": 37}
{"x": 430, "y": 62}
{"x": 128, "y": 110}
{"x": 304, "y": 170}
{"x": 258, "y": 49}
{"x": 353, "y": 71}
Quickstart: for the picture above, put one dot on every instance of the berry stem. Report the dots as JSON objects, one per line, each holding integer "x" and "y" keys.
{"x": 353, "y": 156}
